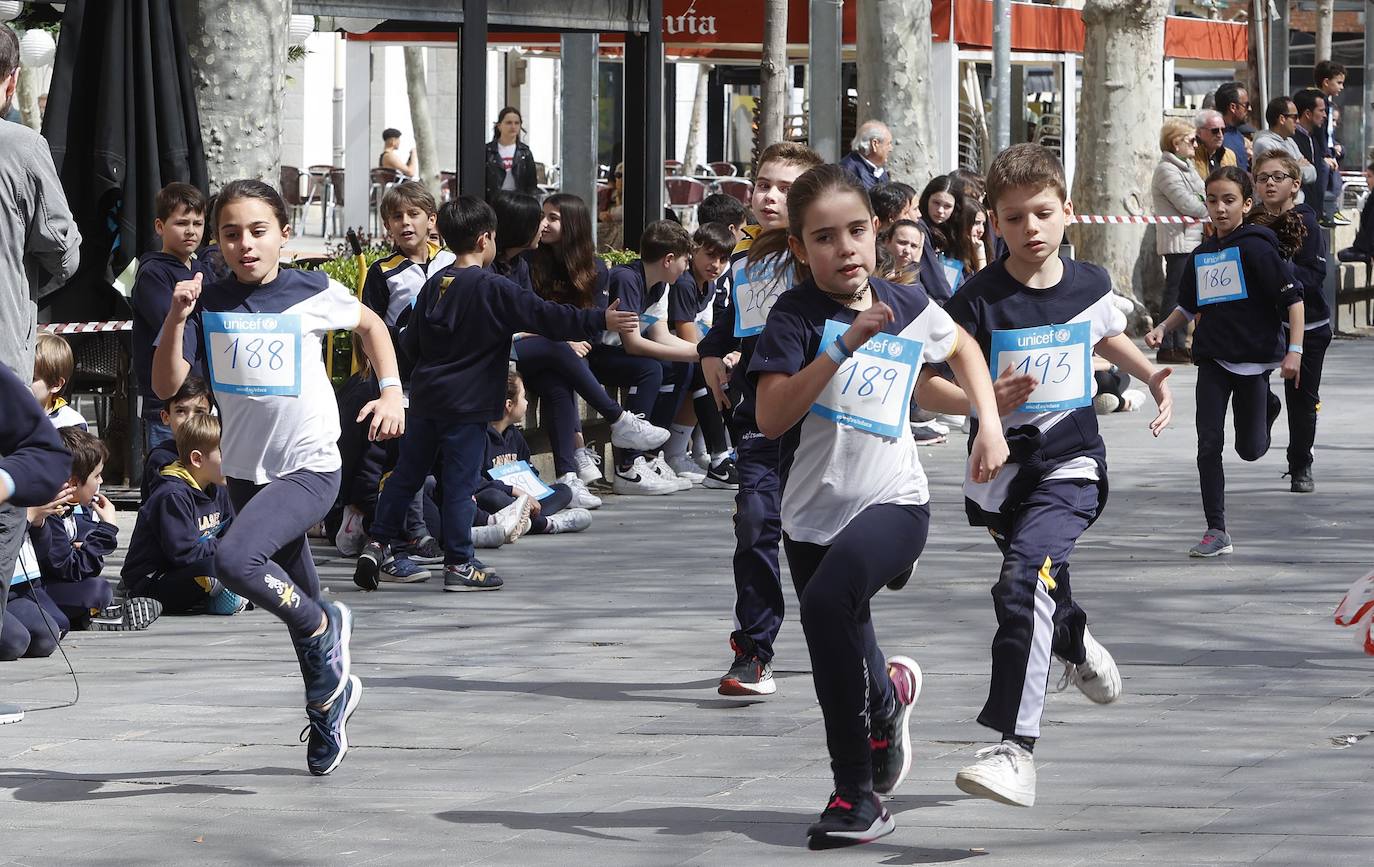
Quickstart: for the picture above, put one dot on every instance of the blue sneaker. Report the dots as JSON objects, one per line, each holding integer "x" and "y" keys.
{"x": 325, "y": 736}
{"x": 403, "y": 570}
{"x": 324, "y": 658}
{"x": 225, "y": 602}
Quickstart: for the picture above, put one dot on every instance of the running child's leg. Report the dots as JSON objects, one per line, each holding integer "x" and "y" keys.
{"x": 759, "y": 602}
{"x": 1253, "y": 410}
{"x": 1213, "y": 394}
{"x": 834, "y": 584}
{"x": 1304, "y": 399}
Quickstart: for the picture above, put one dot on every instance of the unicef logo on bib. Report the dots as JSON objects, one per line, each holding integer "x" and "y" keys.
{"x": 1058, "y": 356}
{"x": 254, "y": 354}
{"x": 1219, "y": 276}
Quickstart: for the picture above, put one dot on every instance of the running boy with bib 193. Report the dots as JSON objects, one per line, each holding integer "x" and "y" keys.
{"x": 1038, "y": 314}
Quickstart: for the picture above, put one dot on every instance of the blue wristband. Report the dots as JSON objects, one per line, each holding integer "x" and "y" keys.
{"x": 389, "y": 382}
{"x": 1293, "y": 347}
{"x": 838, "y": 352}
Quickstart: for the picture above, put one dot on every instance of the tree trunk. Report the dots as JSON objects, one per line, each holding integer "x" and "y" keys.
{"x": 773, "y": 73}
{"x": 417, "y": 88}
{"x": 694, "y": 155}
{"x": 1118, "y": 130}
{"x": 238, "y": 58}
{"x": 894, "y": 82}
{"x": 1326, "y": 15}
{"x": 26, "y": 99}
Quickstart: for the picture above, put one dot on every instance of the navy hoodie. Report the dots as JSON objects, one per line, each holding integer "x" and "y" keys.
{"x": 460, "y": 337}
{"x": 159, "y": 456}
{"x": 158, "y": 275}
{"x": 504, "y": 447}
{"x": 1247, "y": 329}
{"x": 58, "y": 559}
{"x": 1309, "y": 267}
{"x": 178, "y": 525}
{"x": 31, "y": 452}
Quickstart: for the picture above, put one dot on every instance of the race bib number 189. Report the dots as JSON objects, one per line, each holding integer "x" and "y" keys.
{"x": 254, "y": 354}
{"x": 872, "y": 390}
{"x": 1058, "y": 356}
{"x": 1219, "y": 276}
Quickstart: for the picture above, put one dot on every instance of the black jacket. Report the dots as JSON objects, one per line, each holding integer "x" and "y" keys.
{"x": 179, "y": 525}
{"x": 526, "y": 179}
{"x": 31, "y": 452}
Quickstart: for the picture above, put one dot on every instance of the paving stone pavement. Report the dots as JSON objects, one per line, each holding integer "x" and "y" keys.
{"x": 572, "y": 717}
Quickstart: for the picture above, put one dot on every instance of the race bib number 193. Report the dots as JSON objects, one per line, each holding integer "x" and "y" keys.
{"x": 1058, "y": 356}
{"x": 254, "y": 354}
{"x": 872, "y": 390}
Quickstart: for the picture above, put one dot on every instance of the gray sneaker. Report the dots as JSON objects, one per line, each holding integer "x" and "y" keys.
{"x": 1214, "y": 543}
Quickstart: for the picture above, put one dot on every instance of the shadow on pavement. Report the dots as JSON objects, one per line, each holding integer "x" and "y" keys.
{"x": 44, "y": 786}
{"x": 570, "y": 689}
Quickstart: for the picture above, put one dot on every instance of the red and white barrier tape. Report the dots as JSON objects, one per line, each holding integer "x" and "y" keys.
{"x": 1113, "y": 219}
{"x": 87, "y": 327}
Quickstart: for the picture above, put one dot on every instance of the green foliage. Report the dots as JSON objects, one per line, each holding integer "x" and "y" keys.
{"x": 617, "y": 257}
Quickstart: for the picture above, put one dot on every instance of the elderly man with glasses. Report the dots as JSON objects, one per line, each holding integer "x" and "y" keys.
{"x": 1211, "y": 153}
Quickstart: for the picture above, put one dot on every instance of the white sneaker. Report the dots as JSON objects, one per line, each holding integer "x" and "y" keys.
{"x": 350, "y": 538}
{"x": 952, "y": 422}
{"x": 588, "y": 464}
{"x": 686, "y": 468}
{"x": 660, "y": 466}
{"x": 1106, "y": 403}
{"x": 582, "y": 498}
{"x": 514, "y": 519}
{"x": 1132, "y": 399}
{"x": 1004, "y": 772}
{"x": 1098, "y": 677}
{"x": 641, "y": 481}
{"x": 490, "y": 536}
{"x": 632, "y": 432}
{"x": 570, "y": 521}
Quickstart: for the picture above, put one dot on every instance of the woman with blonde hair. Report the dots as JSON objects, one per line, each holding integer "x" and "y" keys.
{"x": 1178, "y": 191}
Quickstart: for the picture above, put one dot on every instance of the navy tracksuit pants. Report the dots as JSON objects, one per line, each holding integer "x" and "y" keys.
{"x": 1253, "y": 410}
{"x": 1304, "y": 399}
{"x": 1036, "y": 615}
{"x": 758, "y": 531}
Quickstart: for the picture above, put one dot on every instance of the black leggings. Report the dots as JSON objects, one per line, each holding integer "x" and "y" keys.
{"x": 835, "y": 583}
{"x": 1253, "y": 409}
{"x": 642, "y": 376}
{"x": 708, "y": 414}
{"x": 1304, "y": 399}
{"x": 554, "y": 372}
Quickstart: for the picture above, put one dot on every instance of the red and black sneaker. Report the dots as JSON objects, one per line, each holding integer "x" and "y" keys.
{"x": 889, "y": 738}
{"x": 749, "y": 675}
{"x": 849, "y": 819}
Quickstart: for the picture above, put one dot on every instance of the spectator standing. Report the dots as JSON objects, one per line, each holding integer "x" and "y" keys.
{"x": 1311, "y": 106}
{"x": 1363, "y": 248}
{"x": 1211, "y": 151}
{"x": 391, "y": 155}
{"x": 1233, "y": 102}
{"x": 1178, "y": 191}
{"x": 1329, "y": 78}
{"x": 1282, "y": 116}
{"x": 867, "y": 159}
{"x": 38, "y": 253}
{"x": 510, "y": 162}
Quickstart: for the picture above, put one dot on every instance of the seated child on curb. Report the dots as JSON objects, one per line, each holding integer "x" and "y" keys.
{"x": 172, "y": 551}
{"x": 32, "y": 624}
{"x": 52, "y": 373}
{"x": 510, "y": 476}
{"x": 193, "y": 398}
{"x": 72, "y": 542}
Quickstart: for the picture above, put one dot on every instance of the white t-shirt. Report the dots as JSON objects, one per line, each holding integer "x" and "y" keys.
{"x": 507, "y": 153}
{"x": 264, "y": 351}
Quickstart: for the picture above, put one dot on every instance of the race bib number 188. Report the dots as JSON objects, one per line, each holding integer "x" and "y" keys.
{"x": 254, "y": 354}
{"x": 872, "y": 390}
{"x": 1058, "y": 356}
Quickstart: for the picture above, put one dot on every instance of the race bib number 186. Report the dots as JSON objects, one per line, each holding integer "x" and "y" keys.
{"x": 254, "y": 354}
{"x": 1219, "y": 276}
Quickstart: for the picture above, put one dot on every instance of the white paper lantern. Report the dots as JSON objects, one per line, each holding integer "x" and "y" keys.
{"x": 357, "y": 25}
{"x": 299, "y": 29}
{"x": 36, "y": 48}
{"x": 10, "y": 9}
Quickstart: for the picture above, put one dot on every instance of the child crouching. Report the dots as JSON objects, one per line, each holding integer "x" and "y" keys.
{"x": 172, "y": 551}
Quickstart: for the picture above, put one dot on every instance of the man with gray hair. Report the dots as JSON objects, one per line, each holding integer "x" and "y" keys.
{"x": 867, "y": 161}
{"x": 39, "y": 252}
{"x": 1211, "y": 153}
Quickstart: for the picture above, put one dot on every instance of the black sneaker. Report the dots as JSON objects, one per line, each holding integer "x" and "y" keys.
{"x": 426, "y": 551}
{"x": 888, "y": 736}
{"x": 902, "y": 577}
{"x": 366, "y": 573}
{"x": 325, "y": 659}
{"x": 131, "y": 615}
{"x": 749, "y": 675}
{"x": 1301, "y": 480}
{"x": 722, "y": 476}
{"x": 325, "y": 736}
{"x": 849, "y": 819}
{"x": 470, "y": 577}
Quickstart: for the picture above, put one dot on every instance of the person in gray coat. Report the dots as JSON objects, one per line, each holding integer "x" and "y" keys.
{"x": 1178, "y": 191}
{"x": 1282, "y": 116}
{"x": 38, "y": 253}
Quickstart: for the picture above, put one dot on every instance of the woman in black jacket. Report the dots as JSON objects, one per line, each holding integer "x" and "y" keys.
{"x": 510, "y": 162}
